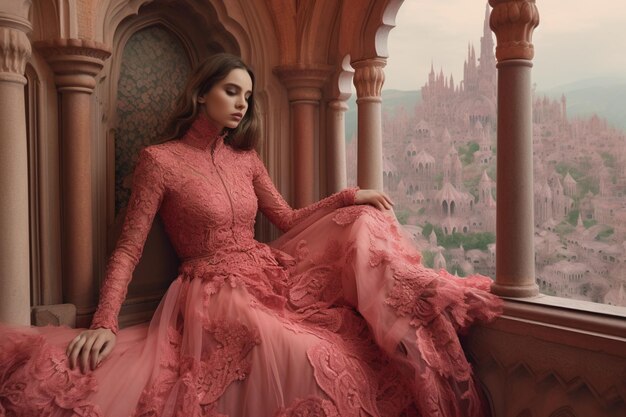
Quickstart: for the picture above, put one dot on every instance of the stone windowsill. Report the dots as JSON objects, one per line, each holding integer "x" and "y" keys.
{"x": 575, "y": 323}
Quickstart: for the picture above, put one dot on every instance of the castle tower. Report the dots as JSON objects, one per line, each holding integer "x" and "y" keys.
{"x": 484, "y": 191}
{"x": 543, "y": 203}
{"x": 605, "y": 182}
{"x": 487, "y": 74}
{"x": 570, "y": 185}
{"x": 457, "y": 171}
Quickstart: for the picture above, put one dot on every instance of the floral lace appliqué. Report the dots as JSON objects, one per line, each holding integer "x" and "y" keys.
{"x": 36, "y": 381}
{"x": 310, "y": 407}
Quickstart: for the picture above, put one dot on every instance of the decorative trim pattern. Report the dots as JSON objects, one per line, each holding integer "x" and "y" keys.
{"x": 82, "y": 47}
{"x": 528, "y": 373}
{"x": 75, "y": 62}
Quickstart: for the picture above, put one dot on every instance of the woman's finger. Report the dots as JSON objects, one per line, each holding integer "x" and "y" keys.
{"x": 108, "y": 347}
{"x": 75, "y": 351}
{"x": 70, "y": 346}
{"x": 94, "y": 356}
{"x": 84, "y": 354}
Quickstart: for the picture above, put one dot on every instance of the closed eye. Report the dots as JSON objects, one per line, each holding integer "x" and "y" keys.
{"x": 234, "y": 89}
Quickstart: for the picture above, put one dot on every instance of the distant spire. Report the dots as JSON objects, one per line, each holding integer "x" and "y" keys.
{"x": 486, "y": 28}
{"x": 433, "y": 238}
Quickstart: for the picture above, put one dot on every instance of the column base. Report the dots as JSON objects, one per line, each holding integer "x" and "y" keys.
{"x": 530, "y": 290}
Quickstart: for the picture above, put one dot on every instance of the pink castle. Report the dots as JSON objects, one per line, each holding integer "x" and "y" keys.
{"x": 439, "y": 167}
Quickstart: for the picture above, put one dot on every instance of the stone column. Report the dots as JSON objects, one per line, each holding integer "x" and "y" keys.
{"x": 336, "y": 138}
{"x": 15, "y": 50}
{"x": 368, "y": 80}
{"x": 513, "y": 22}
{"x": 304, "y": 94}
{"x": 76, "y": 62}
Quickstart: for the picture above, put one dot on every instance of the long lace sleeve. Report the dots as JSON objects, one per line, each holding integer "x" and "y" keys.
{"x": 274, "y": 206}
{"x": 145, "y": 199}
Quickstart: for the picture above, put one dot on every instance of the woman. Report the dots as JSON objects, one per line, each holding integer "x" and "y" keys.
{"x": 336, "y": 318}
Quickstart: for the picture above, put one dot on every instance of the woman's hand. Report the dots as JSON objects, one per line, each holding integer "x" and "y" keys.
{"x": 374, "y": 198}
{"x": 90, "y": 348}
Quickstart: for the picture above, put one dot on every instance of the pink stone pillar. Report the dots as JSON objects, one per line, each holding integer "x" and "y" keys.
{"x": 368, "y": 80}
{"x": 15, "y": 50}
{"x": 304, "y": 94}
{"x": 76, "y": 62}
{"x": 513, "y": 22}
{"x": 336, "y": 140}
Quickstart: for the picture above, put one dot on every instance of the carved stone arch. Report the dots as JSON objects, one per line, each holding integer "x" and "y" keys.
{"x": 244, "y": 36}
{"x": 387, "y": 23}
{"x": 201, "y": 17}
{"x": 366, "y": 32}
{"x": 46, "y": 20}
{"x": 129, "y": 128}
{"x": 319, "y": 32}
{"x": 41, "y": 99}
{"x": 284, "y": 21}
{"x": 32, "y": 98}
{"x": 124, "y": 33}
{"x": 66, "y": 19}
{"x": 340, "y": 85}
{"x": 109, "y": 15}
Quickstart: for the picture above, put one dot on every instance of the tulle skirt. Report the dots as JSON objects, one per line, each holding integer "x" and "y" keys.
{"x": 336, "y": 318}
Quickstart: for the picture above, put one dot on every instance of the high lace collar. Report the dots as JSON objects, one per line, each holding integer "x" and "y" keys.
{"x": 203, "y": 134}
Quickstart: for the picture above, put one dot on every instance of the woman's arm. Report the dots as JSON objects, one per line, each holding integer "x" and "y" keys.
{"x": 274, "y": 206}
{"x": 92, "y": 346}
{"x": 145, "y": 200}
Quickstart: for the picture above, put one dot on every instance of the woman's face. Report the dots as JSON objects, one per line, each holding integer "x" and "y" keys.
{"x": 226, "y": 103}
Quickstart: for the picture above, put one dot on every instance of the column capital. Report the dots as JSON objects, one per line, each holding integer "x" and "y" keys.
{"x": 369, "y": 78}
{"x": 513, "y": 22}
{"x": 303, "y": 83}
{"x": 75, "y": 62}
{"x": 15, "y": 51}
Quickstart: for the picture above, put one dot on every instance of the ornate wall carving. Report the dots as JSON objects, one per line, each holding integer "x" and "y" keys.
{"x": 16, "y": 50}
{"x": 369, "y": 78}
{"x": 513, "y": 22}
{"x": 557, "y": 373}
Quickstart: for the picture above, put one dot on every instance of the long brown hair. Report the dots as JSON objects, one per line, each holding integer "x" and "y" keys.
{"x": 207, "y": 74}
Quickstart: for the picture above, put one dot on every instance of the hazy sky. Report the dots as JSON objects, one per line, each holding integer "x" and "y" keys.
{"x": 575, "y": 39}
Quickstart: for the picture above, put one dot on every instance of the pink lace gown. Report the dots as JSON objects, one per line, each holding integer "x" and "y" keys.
{"x": 336, "y": 318}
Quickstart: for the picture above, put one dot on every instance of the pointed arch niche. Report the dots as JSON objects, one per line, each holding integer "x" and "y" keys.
{"x": 154, "y": 51}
